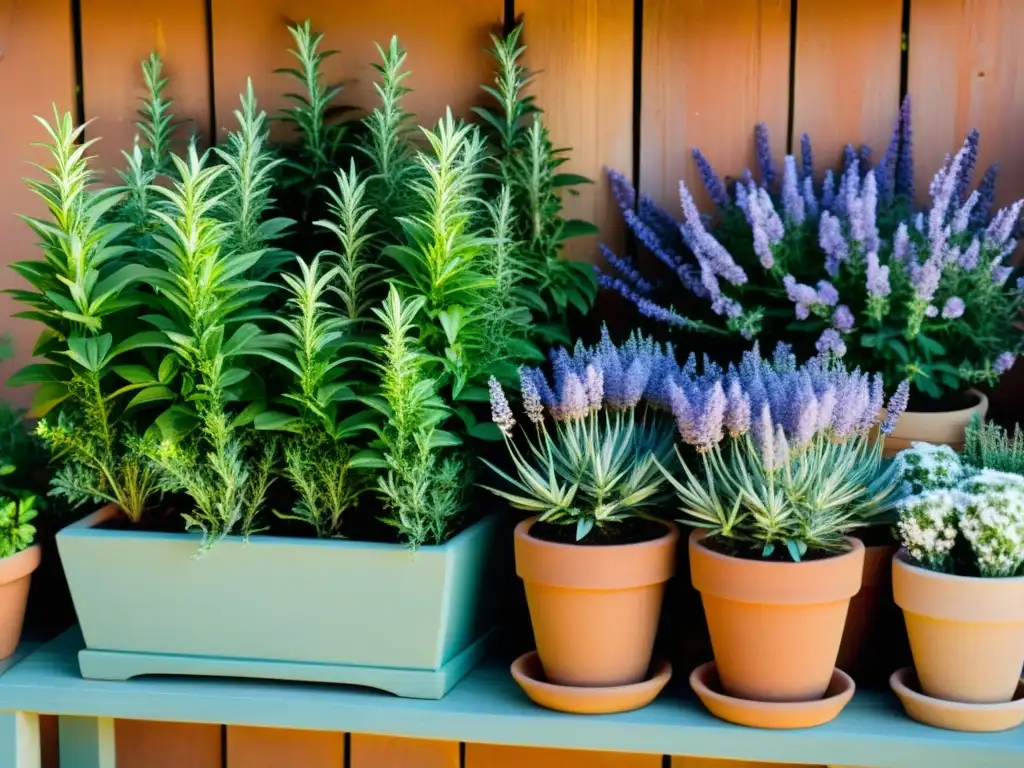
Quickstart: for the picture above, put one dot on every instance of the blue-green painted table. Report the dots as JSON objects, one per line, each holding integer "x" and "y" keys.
{"x": 486, "y": 707}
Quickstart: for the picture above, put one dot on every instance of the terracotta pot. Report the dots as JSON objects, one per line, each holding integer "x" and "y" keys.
{"x": 15, "y": 577}
{"x": 594, "y": 609}
{"x": 942, "y": 428}
{"x": 966, "y": 634}
{"x": 775, "y": 626}
{"x": 874, "y": 641}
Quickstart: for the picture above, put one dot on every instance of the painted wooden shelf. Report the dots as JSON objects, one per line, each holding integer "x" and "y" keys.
{"x": 487, "y": 707}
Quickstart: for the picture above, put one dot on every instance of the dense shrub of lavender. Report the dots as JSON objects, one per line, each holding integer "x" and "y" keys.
{"x": 847, "y": 267}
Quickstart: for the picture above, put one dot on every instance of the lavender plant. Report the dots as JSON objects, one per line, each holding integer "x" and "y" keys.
{"x": 783, "y": 457}
{"x": 847, "y": 267}
{"x": 597, "y": 463}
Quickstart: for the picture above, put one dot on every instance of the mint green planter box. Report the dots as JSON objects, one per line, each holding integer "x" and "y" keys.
{"x": 319, "y": 610}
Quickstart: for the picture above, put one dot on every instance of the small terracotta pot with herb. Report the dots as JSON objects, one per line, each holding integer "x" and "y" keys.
{"x": 782, "y": 468}
{"x": 19, "y": 558}
{"x": 593, "y": 558}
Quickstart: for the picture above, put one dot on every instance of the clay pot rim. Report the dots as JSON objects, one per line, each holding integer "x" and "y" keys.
{"x": 816, "y": 711}
{"x": 699, "y": 534}
{"x": 20, "y": 564}
{"x": 902, "y": 559}
{"x": 522, "y": 530}
{"x": 595, "y": 700}
{"x": 982, "y": 403}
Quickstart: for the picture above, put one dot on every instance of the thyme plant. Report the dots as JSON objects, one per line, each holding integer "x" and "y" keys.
{"x": 16, "y": 530}
{"x": 987, "y": 445}
{"x": 82, "y": 292}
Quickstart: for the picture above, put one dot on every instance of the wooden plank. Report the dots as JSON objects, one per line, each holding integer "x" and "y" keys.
{"x": 583, "y": 52}
{"x": 965, "y": 71}
{"x": 847, "y": 74}
{"x": 276, "y": 747}
{"x": 49, "y": 744}
{"x": 19, "y": 740}
{"x": 87, "y": 742}
{"x": 500, "y": 756}
{"x": 155, "y": 744}
{"x": 711, "y": 71}
{"x": 116, "y": 36}
{"x": 36, "y": 70}
{"x": 367, "y": 751}
{"x": 446, "y": 44}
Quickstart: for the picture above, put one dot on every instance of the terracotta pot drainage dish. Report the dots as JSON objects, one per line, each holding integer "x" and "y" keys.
{"x": 529, "y": 674}
{"x": 771, "y": 714}
{"x": 955, "y": 715}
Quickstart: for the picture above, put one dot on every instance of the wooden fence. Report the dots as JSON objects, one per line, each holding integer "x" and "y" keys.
{"x": 632, "y": 84}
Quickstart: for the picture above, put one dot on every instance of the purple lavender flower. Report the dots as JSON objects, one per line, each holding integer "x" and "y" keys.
{"x": 897, "y": 405}
{"x": 531, "y": 395}
{"x": 905, "y": 163}
{"x": 962, "y": 218}
{"x": 625, "y": 195}
{"x": 1003, "y": 363}
{"x": 807, "y": 416}
{"x": 865, "y": 156}
{"x": 575, "y": 404}
{"x": 1003, "y": 224}
{"x": 967, "y": 164}
{"x": 806, "y": 156}
{"x": 803, "y": 296}
{"x": 828, "y": 191}
{"x": 878, "y": 276}
{"x": 781, "y": 457}
{"x": 925, "y": 279}
{"x": 953, "y": 308}
{"x": 849, "y": 157}
{"x": 501, "y": 414}
{"x": 827, "y": 294}
{"x": 832, "y": 242}
{"x": 830, "y": 342}
{"x": 986, "y": 197}
{"x": 704, "y": 246}
{"x": 737, "y": 410}
{"x": 713, "y": 184}
{"x": 792, "y": 199}
{"x": 810, "y": 201}
{"x": 1020, "y": 283}
{"x": 772, "y": 223}
{"x": 624, "y": 266}
{"x": 764, "y": 437}
{"x": 560, "y": 367}
{"x": 886, "y": 170}
{"x": 876, "y": 399}
{"x": 842, "y": 319}
{"x": 861, "y": 210}
{"x": 594, "y": 385}
{"x": 713, "y": 416}
{"x": 826, "y": 407}
{"x": 762, "y": 248}
{"x": 637, "y": 376}
{"x": 900, "y": 243}
{"x": 645, "y": 306}
{"x": 931, "y": 311}
{"x": 1000, "y": 274}
{"x": 851, "y": 402}
{"x": 763, "y": 151}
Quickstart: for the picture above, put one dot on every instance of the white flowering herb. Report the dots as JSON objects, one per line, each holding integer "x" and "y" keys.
{"x": 926, "y": 467}
{"x": 983, "y": 517}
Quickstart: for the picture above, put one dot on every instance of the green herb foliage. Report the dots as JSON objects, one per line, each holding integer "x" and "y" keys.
{"x": 990, "y": 446}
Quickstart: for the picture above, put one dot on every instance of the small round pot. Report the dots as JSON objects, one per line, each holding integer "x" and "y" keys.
{"x": 775, "y": 626}
{"x": 15, "y": 578}
{"x": 966, "y": 634}
{"x": 594, "y": 609}
{"x": 941, "y": 428}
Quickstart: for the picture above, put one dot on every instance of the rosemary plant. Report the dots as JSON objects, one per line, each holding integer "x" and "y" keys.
{"x": 358, "y": 278}
{"x": 529, "y": 165}
{"x": 599, "y": 463}
{"x": 320, "y": 460}
{"x": 83, "y": 290}
{"x": 156, "y": 123}
{"x": 312, "y": 115}
{"x": 990, "y": 446}
{"x": 424, "y": 488}
{"x": 388, "y": 144}
{"x": 202, "y": 288}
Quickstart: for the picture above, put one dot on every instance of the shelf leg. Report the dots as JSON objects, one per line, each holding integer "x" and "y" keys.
{"x": 87, "y": 742}
{"x": 19, "y": 740}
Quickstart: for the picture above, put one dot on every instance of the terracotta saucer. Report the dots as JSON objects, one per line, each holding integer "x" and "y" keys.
{"x": 955, "y": 715}
{"x": 528, "y": 672}
{"x": 771, "y": 714}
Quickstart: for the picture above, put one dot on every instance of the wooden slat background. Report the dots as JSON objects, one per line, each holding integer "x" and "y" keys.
{"x": 631, "y": 84}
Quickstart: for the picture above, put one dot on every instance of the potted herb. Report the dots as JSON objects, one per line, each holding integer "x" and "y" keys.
{"x": 847, "y": 264}
{"x": 19, "y": 557}
{"x": 782, "y": 470}
{"x": 960, "y": 582}
{"x": 593, "y": 556}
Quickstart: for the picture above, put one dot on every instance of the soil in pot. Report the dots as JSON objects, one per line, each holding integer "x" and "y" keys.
{"x": 15, "y": 578}
{"x": 966, "y": 633}
{"x": 775, "y": 626}
{"x": 595, "y": 608}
